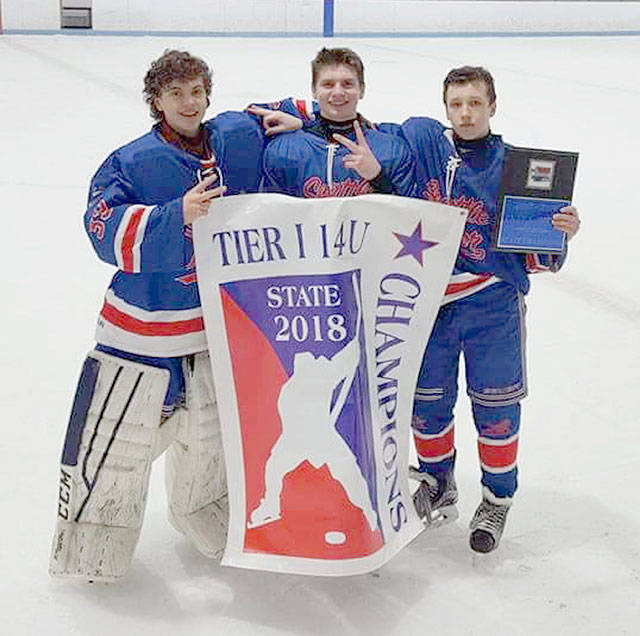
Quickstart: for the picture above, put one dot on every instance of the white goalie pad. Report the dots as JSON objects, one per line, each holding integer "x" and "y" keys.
{"x": 111, "y": 440}
{"x": 195, "y": 474}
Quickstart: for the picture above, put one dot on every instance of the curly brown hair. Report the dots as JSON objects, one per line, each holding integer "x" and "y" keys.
{"x": 173, "y": 65}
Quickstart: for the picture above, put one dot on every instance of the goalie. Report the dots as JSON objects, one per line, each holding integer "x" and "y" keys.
{"x": 148, "y": 387}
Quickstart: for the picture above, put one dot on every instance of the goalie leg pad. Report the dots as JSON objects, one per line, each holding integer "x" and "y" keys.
{"x": 195, "y": 474}
{"x": 105, "y": 467}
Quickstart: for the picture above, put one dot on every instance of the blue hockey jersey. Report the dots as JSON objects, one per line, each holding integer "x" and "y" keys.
{"x": 469, "y": 175}
{"x": 134, "y": 220}
{"x": 307, "y": 164}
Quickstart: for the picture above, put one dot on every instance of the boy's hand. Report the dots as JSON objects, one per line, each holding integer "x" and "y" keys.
{"x": 275, "y": 122}
{"x": 360, "y": 159}
{"x": 195, "y": 202}
{"x": 566, "y": 220}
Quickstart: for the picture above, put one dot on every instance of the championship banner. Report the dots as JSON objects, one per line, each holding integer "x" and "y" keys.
{"x": 317, "y": 313}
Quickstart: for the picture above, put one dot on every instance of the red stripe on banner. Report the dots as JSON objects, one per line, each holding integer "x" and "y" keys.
{"x": 436, "y": 446}
{"x": 253, "y": 357}
{"x": 454, "y": 288}
{"x": 144, "y": 328}
{"x": 498, "y": 456}
{"x": 129, "y": 239}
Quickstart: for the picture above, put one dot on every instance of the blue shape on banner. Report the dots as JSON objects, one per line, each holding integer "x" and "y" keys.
{"x": 413, "y": 244}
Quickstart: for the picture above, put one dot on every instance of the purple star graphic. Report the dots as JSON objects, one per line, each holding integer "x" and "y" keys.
{"x": 414, "y": 244}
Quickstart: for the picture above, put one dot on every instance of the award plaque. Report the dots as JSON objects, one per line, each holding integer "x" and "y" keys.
{"x": 535, "y": 185}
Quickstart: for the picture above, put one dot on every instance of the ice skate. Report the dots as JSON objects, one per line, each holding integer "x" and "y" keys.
{"x": 435, "y": 499}
{"x": 488, "y": 525}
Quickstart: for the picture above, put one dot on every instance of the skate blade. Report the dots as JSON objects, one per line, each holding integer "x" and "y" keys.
{"x": 442, "y": 516}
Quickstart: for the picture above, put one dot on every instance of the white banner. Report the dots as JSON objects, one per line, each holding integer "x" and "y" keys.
{"x": 317, "y": 313}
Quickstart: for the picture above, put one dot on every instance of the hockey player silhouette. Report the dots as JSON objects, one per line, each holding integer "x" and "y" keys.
{"x": 325, "y": 384}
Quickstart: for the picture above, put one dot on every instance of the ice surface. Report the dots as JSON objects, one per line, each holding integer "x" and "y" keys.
{"x": 569, "y": 562}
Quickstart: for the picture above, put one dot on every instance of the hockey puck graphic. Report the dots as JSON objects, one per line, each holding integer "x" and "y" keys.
{"x": 335, "y": 537}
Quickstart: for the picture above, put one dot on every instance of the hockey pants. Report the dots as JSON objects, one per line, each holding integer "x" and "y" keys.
{"x": 488, "y": 329}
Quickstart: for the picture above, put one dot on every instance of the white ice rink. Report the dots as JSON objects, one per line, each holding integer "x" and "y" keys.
{"x": 569, "y": 563}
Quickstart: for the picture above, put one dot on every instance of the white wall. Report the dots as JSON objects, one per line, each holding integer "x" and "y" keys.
{"x": 351, "y": 16}
{"x": 413, "y": 16}
{"x": 30, "y": 14}
{"x": 283, "y": 16}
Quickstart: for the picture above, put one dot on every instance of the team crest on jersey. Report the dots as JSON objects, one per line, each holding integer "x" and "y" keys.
{"x": 318, "y": 500}
{"x": 316, "y": 188}
{"x": 472, "y": 244}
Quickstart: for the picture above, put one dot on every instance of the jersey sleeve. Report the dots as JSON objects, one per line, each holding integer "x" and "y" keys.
{"x": 402, "y": 175}
{"x": 390, "y": 128}
{"x": 420, "y": 135}
{"x": 272, "y": 177}
{"x": 283, "y": 165}
{"x": 536, "y": 263}
{"x": 304, "y": 109}
{"x": 129, "y": 233}
{"x": 396, "y": 161}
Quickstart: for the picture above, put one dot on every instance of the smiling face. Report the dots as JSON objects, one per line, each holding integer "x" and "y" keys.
{"x": 337, "y": 90}
{"x": 469, "y": 109}
{"x": 183, "y": 104}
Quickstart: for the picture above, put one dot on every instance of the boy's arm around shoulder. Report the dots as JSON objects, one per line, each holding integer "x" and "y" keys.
{"x": 285, "y": 115}
{"x": 401, "y": 170}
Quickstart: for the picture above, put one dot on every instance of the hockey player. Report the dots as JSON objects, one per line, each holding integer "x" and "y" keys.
{"x": 148, "y": 383}
{"x": 483, "y": 309}
{"x": 338, "y": 153}
{"x": 482, "y": 313}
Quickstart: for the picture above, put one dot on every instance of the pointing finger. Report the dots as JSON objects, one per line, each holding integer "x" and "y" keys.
{"x": 259, "y": 110}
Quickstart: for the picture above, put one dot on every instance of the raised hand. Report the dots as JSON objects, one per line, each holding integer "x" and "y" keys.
{"x": 360, "y": 158}
{"x": 275, "y": 122}
{"x": 195, "y": 202}
{"x": 566, "y": 220}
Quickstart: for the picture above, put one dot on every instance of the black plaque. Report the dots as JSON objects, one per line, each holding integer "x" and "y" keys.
{"x": 535, "y": 185}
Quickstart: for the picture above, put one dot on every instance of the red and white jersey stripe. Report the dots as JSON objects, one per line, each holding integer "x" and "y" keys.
{"x": 304, "y": 107}
{"x": 129, "y": 238}
{"x": 465, "y": 284}
{"x": 534, "y": 265}
{"x": 154, "y": 333}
